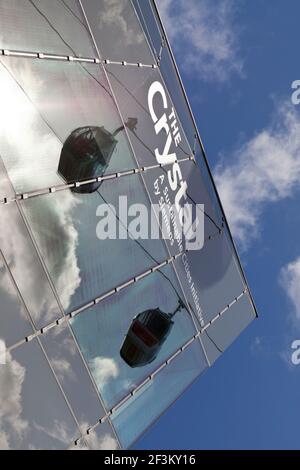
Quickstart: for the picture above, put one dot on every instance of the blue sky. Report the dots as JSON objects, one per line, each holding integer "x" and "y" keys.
{"x": 242, "y": 59}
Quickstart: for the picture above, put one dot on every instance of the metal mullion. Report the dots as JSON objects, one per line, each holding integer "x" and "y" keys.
{"x": 63, "y": 187}
{"x": 70, "y": 58}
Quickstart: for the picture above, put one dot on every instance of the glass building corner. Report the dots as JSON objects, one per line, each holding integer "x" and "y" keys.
{"x": 100, "y": 337}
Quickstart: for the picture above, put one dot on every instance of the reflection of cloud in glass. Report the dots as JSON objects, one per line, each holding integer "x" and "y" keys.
{"x": 104, "y": 369}
{"x": 112, "y": 14}
{"x": 11, "y": 380}
{"x": 27, "y": 146}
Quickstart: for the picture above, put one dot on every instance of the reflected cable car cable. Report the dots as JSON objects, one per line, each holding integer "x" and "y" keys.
{"x": 146, "y": 251}
{"x": 214, "y": 343}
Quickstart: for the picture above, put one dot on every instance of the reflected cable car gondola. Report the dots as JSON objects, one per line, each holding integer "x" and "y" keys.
{"x": 147, "y": 333}
{"x": 86, "y": 154}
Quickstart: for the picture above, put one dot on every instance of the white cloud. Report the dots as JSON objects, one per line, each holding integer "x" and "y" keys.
{"x": 204, "y": 36}
{"x": 103, "y": 369}
{"x": 264, "y": 170}
{"x": 12, "y": 376}
{"x": 290, "y": 281}
{"x": 256, "y": 345}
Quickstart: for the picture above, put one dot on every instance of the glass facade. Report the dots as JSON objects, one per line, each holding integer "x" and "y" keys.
{"x": 102, "y": 335}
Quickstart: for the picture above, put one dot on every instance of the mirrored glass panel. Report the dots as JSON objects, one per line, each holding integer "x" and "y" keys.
{"x": 227, "y": 328}
{"x": 59, "y": 124}
{"x": 85, "y": 238}
{"x": 210, "y": 277}
{"x": 56, "y": 27}
{"x": 158, "y": 137}
{"x": 73, "y": 375}
{"x": 126, "y": 337}
{"x": 26, "y": 267}
{"x": 34, "y": 414}
{"x": 141, "y": 410}
{"x": 14, "y": 319}
{"x": 117, "y": 31}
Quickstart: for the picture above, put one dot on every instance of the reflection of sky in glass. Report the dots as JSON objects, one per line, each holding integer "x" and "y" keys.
{"x": 102, "y": 330}
{"x": 26, "y": 268}
{"x": 148, "y": 403}
{"x": 117, "y": 31}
